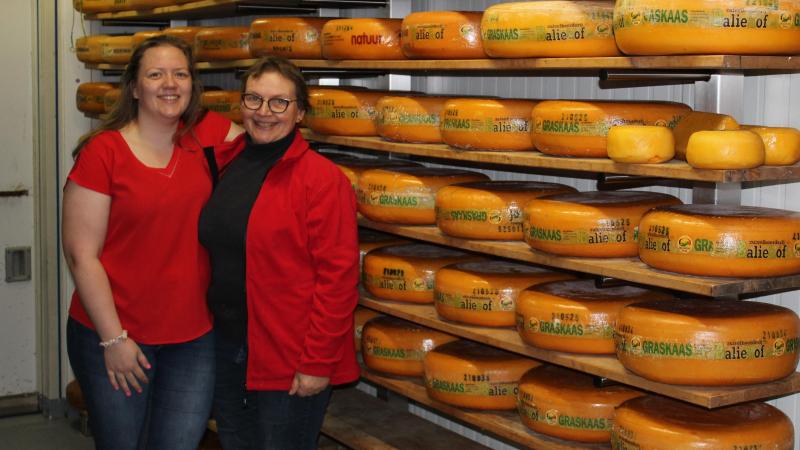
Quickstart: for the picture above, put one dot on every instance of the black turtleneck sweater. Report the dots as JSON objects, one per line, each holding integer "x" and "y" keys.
{"x": 223, "y": 232}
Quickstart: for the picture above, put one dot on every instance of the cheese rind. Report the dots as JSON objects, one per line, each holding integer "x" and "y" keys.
{"x": 411, "y": 118}
{"x": 89, "y": 49}
{"x": 729, "y": 149}
{"x": 487, "y": 124}
{"x": 344, "y": 112}
{"x": 781, "y": 144}
{"x": 354, "y": 167}
{"x": 362, "y": 38}
{"x": 226, "y": 103}
{"x": 442, "y": 35}
{"x": 89, "y": 97}
{"x": 640, "y": 144}
{"x": 289, "y": 37}
{"x": 186, "y": 34}
{"x": 696, "y": 121}
{"x": 222, "y": 43}
{"x": 369, "y": 240}
{"x": 398, "y": 347}
{"x": 360, "y": 316}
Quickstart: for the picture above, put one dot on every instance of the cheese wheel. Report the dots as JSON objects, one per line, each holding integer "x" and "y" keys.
{"x": 142, "y": 36}
{"x": 369, "y": 240}
{"x": 89, "y": 97}
{"x": 289, "y": 37}
{"x": 226, "y": 103}
{"x": 653, "y": 423}
{"x": 397, "y": 347}
{"x": 487, "y": 124}
{"x": 406, "y": 195}
{"x": 110, "y": 99}
{"x": 696, "y": 121}
{"x": 442, "y": 35}
{"x": 489, "y": 209}
{"x": 222, "y": 43}
{"x": 360, "y": 316}
{"x": 412, "y": 118}
{"x": 354, "y": 167}
{"x": 485, "y": 292}
{"x": 406, "y": 272}
{"x": 549, "y": 29}
{"x": 592, "y": 224}
{"x": 640, "y": 144}
{"x": 344, "y": 112}
{"x": 781, "y": 145}
{"x": 93, "y": 6}
{"x": 89, "y": 49}
{"x": 721, "y": 241}
{"x": 186, "y": 34}
{"x": 579, "y": 128}
{"x": 685, "y": 27}
{"x": 708, "y": 342}
{"x": 116, "y": 49}
{"x": 471, "y": 375}
{"x": 575, "y": 316}
{"x": 729, "y": 149}
{"x": 96, "y": 6}
{"x": 363, "y": 38}
{"x": 565, "y": 404}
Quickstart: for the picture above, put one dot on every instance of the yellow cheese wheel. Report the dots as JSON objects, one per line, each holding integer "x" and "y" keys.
{"x": 406, "y": 195}
{"x": 593, "y": 224}
{"x": 227, "y": 103}
{"x": 344, "y": 112}
{"x": 565, "y": 404}
{"x": 471, "y": 375}
{"x": 575, "y": 316}
{"x": 89, "y": 97}
{"x": 186, "y": 34}
{"x": 728, "y": 149}
{"x": 696, "y": 121}
{"x": 411, "y": 118}
{"x": 682, "y": 27}
{"x": 93, "y": 6}
{"x": 110, "y": 99}
{"x": 549, "y": 29}
{"x": 141, "y": 36}
{"x": 442, "y": 35}
{"x": 290, "y": 37}
{"x": 360, "y": 316}
{"x": 722, "y": 241}
{"x": 655, "y": 423}
{"x": 781, "y": 145}
{"x": 580, "y": 128}
{"x": 222, "y": 43}
{"x": 485, "y": 292}
{"x": 362, "y": 38}
{"x": 369, "y": 240}
{"x": 354, "y": 167}
{"x": 89, "y": 49}
{"x": 396, "y": 346}
{"x": 489, "y": 209}
{"x": 708, "y": 342}
{"x": 640, "y": 144}
{"x": 406, "y": 272}
{"x": 487, "y": 124}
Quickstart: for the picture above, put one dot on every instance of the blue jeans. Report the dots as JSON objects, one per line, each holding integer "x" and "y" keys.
{"x": 173, "y": 409}
{"x": 261, "y": 420}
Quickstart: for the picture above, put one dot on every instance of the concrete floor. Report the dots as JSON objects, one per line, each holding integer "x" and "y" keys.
{"x": 36, "y": 432}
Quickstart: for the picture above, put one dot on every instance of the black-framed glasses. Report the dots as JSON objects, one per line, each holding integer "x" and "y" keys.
{"x": 275, "y": 104}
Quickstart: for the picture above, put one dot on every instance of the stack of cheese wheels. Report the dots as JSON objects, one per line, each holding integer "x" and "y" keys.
{"x": 781, "y": 144}
{"x": 485, "y": 292}
{"x": 116, "y": 49}
{"x": 110, "y": 99}
{"x": 708, "y": 342}
{"x": 683, "y": 27}
{"x": 343, "y": 111}
{"x": 354, "y": 167}
{"x": 442, "y": 35}
{"x": 729, "y": 149}
{"x": 89, "y": 49}
{"x": 360, "y": 317}
{"x": 575, "y": 316}
{"x": 398, "y": 347}
{"x": 369, "y": 240}
{"x": 142, "y": 36}
{"x": 471, "y": 375}
{"x": 549, "y": 29}
{"x": 406, "y": 195}
{"x": 222, "y": 43}
{"x": 487, "y": 124}
{"x": 579, "y": 128}
{"x": 699, "y": 121}
{"x": 89, "y": 97}
{"x": 224, "y": 102}
{"x": 363, "y": 38}
{"x": 186, "y": 34}
{"x": 289, "y": 37}
{"x": 406, "y": 272}
{"x": 593, "y": 224}
{"x": 651, "y": 423}
{"x": 564, "y": 403}
{"x": 722, "y": 241}
{"x": 640, "y": 144}
{"x": 489, "y": 209}
{"x": 410, "y": 118}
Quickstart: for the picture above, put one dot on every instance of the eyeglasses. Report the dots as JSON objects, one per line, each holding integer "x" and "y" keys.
{"x": 275, "y": 104}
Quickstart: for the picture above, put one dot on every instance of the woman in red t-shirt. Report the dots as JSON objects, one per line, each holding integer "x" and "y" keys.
{"x": 139, "y": 335}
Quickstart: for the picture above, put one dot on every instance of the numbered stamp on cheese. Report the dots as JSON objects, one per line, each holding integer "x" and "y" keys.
{"x": 398, "y": 347}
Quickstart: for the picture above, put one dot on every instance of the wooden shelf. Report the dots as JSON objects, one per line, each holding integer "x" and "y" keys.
{"x": 601, "y": 365}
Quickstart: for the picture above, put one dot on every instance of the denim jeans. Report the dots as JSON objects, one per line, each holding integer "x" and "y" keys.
{"x": 173, "y": 409}
{"x": 261, "y": 420}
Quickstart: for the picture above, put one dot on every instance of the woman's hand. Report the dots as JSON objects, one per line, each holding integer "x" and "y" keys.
{"x": 124, "y": 364}
{"x": 308, "y": 385}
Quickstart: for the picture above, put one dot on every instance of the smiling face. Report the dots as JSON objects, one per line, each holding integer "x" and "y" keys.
{"x": 164, "y": 83}
{"x": 263, "y": 125}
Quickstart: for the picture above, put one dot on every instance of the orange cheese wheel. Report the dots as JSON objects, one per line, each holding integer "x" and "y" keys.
{"x": 471, "y": 375}
{"x": 222, "y": 43}
{"x": 369, "y": 240}
{"x": 708, "y": 342}
{"x": 116, "y": 49}
{"x": 89, "y": 49}
{"x": 549, "y": 29}
{"x": 442, "y": 35}
{"x": 489, "y": 209}
{"x": 89, "y": 97}
{"x": 565, "y": 404}
{"x": 142, "y": 36}
{"x": 227, "y": 103}
{"x": 360, "y": 317}
{"x": 96, "y": 6}
{"x": 406, "y": 272}
{"x": 396, "y": 346}
{"x": 696, "y": 121}
{"x": 781, "y": 144}
{"x": 354, "y": 167}
{"x": 186, "y": 34}
{"x": 485, "y": 292}
{"x": 110, "y": 99}
{"x": 363, "y": 38}
{"x": 640, "y": 144}
{"x": 487, "y": 124}
{"x": 685, "y": 27}
{"x": 406, "y": 195}
{"x": 654, "y": 423}
{"x": 579, "y": 128}
{"x": 289, "y": 37}
{"x": 344, "y": 112}
{"x": 411, "y": 118}
{"x": 593, "y": 224}
{"x": 93, "y": 6}
{"x": 575, "y": 316}
{"x": 721, "y": 241}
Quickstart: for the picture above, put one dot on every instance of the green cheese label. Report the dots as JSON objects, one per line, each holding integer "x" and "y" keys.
{"x": 327, "y": 110}
{"x": 556, "y": 326}
{"x": 645, "y": 347}
{"x": 580, "y": 236}
{"x": 658, "y": 239}
{"x": 597, "y": 26}
{"x": 749, "y": 14}
{"x": 490, "y": 300}
{"x": 391, "y": 116}
{"x": 493, "y": 125}
{"x": 474, "y": 385}
{"x": 398, "y": 282}
{"x": 413, "y": 200}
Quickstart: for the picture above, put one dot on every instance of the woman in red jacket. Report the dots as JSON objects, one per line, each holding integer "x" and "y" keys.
{"x": 281, "y": 231}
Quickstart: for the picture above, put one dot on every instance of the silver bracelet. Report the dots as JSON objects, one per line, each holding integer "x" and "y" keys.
{"x": 116, "y": 340}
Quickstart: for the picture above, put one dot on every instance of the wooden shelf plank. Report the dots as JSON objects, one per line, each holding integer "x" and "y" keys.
{"x": 601, "y": 365}
{"x": 770, "y": 62}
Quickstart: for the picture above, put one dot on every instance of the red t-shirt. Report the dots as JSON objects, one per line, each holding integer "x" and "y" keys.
{"x": 157, "y": 268}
